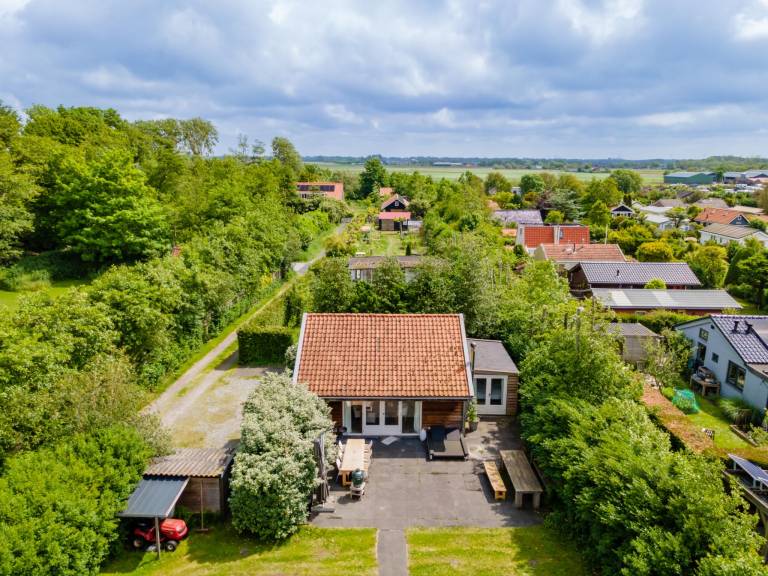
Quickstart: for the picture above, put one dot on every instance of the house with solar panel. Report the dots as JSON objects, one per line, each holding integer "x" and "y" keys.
{"x": 586, "y": 276}
{"x": 334, "y": 190}
{"x": 735, "y": 349}
{"x": 640, "y": 300}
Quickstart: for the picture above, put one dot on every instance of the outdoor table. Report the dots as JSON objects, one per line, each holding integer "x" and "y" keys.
{"x": 522, "y": 476}
{"x": 353, "y": 459}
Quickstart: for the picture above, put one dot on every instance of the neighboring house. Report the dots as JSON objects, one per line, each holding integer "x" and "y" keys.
{"x": 586, "y": 276}
{"x": 387, "y": 374}
{"x": 568, "y": 255}
{"x": 669, "y": 203}
{"x": 749, "y": 210}
{"x": 333, "y": 190}
{"x": 633, "y": 340}
{"x": 531, "y": 236}
{"x": 519, "y": 217}
{"x": 496, "y": 377}
{"x": 694, "y": 302}
{"x": 690, "y": 178}
{"x": 509, "y": 232}
{"x": 622, "y": 210}
{"x": 395, "y": 203}
{"x": 386, "y": 192}
{"x": 721, "y": 216}
{"x": 394, "y": 221}
{"x": 725, "y": 234}
{"x": 711, "y": 203}
{"x": 735, "y": 349}
{"x": 659, "y": 221}
{"x": 361, "y": 268}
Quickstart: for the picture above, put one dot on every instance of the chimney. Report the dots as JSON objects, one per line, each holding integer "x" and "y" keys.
{"x": 472, "y": 351}
{"x": 748, "y": 328}
{"x": 617, "y": 272}
{"x": 735, "y": 326}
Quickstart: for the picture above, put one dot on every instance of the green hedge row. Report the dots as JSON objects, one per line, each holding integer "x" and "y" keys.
{"x": 657, "y": 320}
{"x": 263, "y": 344}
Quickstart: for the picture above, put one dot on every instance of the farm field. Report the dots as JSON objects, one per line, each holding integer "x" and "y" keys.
{"x": 453, "y": 172}
{"x": 529, "y": 551}
{"x": 222, "y": 552}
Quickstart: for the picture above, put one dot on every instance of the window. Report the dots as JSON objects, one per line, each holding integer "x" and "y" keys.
{"x": 390, "y": 412}
{"x": 736, "y": 376}
{"x": 409, "y": 417}
{"x": 715, "y": 357}
{"x": 701, "y": 354}
{"x": 372, "y": 413}
{"x": 703, "y": 334}
{"x": 480, "y": 390}
{"x": 497, "y": 388}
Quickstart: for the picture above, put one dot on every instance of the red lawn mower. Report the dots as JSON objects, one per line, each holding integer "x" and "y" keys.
{"x": 172, "y": 531}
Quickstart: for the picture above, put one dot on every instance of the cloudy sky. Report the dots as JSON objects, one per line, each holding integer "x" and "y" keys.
{"x": 544, "y": 78}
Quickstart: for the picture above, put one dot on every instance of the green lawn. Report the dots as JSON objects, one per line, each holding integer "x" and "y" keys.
{"x": 388, "y": 244}
{"x": 311, "y": 552}
{"x": 10, "y": 300}
{"x": 530, "y": 551}
{"x": 711, "y": 416}
{"x": 453, "y": 172}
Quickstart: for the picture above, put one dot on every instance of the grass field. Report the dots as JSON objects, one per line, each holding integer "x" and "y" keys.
{"x": 453, "y": 172}
{"x": 530, "y": 551}
{"x": 9, "y": 300}
{"x": 711, "y": 416}
{"x": 221, "y": 552}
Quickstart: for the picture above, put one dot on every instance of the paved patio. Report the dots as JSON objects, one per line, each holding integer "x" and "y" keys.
{"x": 406, "y": 490}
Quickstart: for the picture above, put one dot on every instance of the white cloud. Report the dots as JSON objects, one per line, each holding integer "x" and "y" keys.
{"x": 342, "y": 114}
{"x": 613, "y": 18}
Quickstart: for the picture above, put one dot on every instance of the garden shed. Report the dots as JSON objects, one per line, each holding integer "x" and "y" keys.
{"x": 634, "y": 340}
{"x": 206, "y": 471}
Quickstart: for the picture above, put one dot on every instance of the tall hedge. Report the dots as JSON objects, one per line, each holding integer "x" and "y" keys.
{"x": 259, "y": 344}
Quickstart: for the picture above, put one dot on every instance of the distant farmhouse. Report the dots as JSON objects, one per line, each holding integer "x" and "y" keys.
{"x": 333, "y": 190}
{"x": 622, "y": 210}
{"x": 746, "y": 177}
{"x": 395, "y": 203}
{"x": 690, "y": 178}
{"x": 725, "y": 234}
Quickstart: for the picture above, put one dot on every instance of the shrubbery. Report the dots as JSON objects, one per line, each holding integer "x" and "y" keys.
{"x": 58, "y": 505}
{"x": 275, "y": 470}
{"x": 657, "y": 320}
{"x": 258, "y": 344}
{"x": 637, "y": 507}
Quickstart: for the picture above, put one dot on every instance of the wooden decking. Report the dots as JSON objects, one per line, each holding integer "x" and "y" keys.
{"x": 523, "y": 478}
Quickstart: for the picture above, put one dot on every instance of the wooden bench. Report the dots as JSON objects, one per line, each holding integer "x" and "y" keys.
{"x": 494, "y": 477}
{"x": 523, "y": 478}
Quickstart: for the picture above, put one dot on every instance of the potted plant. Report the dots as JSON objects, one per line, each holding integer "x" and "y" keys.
{"x": 472, "y": 417}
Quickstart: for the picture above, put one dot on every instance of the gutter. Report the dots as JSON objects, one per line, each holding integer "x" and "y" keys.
{"x": 295, "y": 375}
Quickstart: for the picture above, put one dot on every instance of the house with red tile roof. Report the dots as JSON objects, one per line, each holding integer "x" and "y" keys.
{"x": 333, "y": 190}
{"x": 394, "y": 221}
{"x": 721, "y": 216}
{"x": 394, "y": 374}
{"x": 568, "y": 255}
{"x": 386, "y": 191}
{"x": 531, "y": 236}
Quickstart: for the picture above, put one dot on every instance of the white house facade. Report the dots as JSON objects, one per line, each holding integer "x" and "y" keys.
{"x": 735, "y": 349}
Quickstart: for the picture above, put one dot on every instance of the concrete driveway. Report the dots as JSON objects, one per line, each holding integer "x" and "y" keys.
{"x": 405, "y": 490}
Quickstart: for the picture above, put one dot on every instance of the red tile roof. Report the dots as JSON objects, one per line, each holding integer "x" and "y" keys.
{"x": 386, "y": 192}
{"x": 578, "y": 252}
{"x": 535, "y": 235}
{"x": 384, "y": 356}
{"x": 394, "y": 215}
{"x": 718, "y": 216}
{"x": 509, "y": 232}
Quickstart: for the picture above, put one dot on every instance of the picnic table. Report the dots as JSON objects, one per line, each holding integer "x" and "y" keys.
{"x": 523, "y": 478}
{"x": 353, "y": 459}
{"x": 706, "y": 382}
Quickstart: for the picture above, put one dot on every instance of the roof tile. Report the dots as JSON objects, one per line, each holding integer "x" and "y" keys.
{"x": 384, "y": 356}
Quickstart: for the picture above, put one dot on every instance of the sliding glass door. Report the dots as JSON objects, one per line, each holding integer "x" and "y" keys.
{"x": 382, "y": 417}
